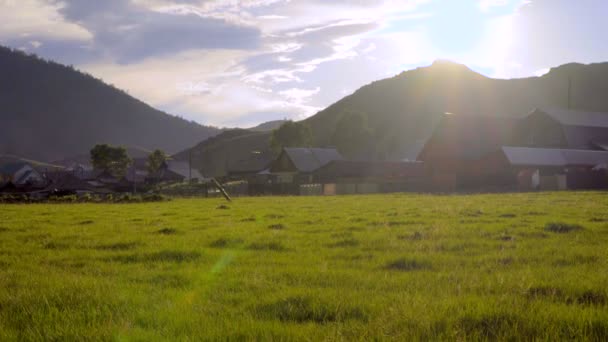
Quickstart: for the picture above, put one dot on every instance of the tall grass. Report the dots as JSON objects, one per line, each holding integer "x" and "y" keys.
{"x": 385, "y": 267}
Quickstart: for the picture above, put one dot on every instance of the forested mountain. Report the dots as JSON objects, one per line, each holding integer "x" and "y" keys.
{"x": 49, "y": 111}
{"x": 401, "y": 111}
{"x": 267, "y": 126}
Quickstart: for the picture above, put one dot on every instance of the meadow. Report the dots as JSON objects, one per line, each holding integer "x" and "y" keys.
{"x": 379, "y": 267}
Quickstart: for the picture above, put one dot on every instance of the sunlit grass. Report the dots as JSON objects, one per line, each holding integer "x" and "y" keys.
{"x": 402, "y": 267}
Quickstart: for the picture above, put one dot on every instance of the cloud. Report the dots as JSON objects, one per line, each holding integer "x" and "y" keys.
{"x": 37, "y": 20}
{"x": 228, "y": 62}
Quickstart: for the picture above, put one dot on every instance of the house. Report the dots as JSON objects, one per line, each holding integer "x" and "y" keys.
{"x": 296, "y": 165}
{"x": 176, "y": 171}
{"x": 457, "y": 142}
{"x": 545, "y": 149}
{"x": 349, "y": 176}
{"x": 338, "y": 171}
{"x": 68, "y": 184}
{"x": 548, "y": 168}
{"x": 250, "y": 168}
{"x": 562, "y": 128}
{"x": 20, "y": 174}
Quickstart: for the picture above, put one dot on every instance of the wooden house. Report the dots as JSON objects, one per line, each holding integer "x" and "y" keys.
{"x": 561, "y": 128}
{"x": 457, "y": 142}
{"x": 20, "y": 174}
{"x": 296, "y": 165}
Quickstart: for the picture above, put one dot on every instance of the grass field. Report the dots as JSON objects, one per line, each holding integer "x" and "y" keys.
{"x": 400, "y": 267}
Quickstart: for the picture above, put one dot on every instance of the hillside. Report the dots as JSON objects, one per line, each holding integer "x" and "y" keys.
{"x": 402, "y": 110}
{"x": 51, "y": 111}
{"x": 268, "y": 126}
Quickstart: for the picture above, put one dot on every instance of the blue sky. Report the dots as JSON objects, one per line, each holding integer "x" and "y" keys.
{"x": 238, "y": 63}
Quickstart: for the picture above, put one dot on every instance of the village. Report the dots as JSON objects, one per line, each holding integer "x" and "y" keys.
{"x": 544, "y": 150}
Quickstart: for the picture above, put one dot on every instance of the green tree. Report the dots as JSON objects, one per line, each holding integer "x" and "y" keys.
{"x": 155, "y": 161}
{"x": 113, "y": 159}
{"x": 291, "y": 134}
{"x": 353, "y": 137}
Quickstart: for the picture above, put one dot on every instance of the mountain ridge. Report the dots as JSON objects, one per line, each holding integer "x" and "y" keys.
{"x": 51, "y": 111}
{"x": 404, "y": 109}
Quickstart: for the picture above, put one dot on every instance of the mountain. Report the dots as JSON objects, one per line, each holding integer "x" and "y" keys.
{"x": 38, "y": 165}
{"x": 50, "y": 111}
{"x": 268, "y": 126}
{"x": 403, "y": 110}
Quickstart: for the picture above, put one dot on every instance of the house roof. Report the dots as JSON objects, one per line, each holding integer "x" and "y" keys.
{"x": 526, "y": 156}
{"x": 11, "y": 168}
{"x": 310, "y": 159}
{"x": 254, "y": 164}
{"x": 467, "y": 137}
{"x": 183, "y": 169}
{"x": 600, "y": 144}
{"x": 69, "y": 182}
{"x": 576, "y": 118}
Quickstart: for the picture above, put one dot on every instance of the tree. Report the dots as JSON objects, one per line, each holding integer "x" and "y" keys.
{"x": 291, "y": 134}
{"x": 353, "y": 137}
{"x": 156, "y": 160}
{"x": 113, "y": 159}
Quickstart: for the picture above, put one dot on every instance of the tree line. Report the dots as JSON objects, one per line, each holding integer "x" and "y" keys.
{"x": 352, "y": 137}
{"x": 116, "y": 161}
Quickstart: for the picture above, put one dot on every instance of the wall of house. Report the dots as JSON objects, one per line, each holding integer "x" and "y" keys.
{"x": 540, "y": 130}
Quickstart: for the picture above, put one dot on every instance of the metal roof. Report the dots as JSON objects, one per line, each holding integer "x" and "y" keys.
{"x": 310, "y": 159}
{"x": 576, "y": 118}
{"x": 526, "y": 156}
{"x": 11, "y": 168}
{"x": 183, "y": 168}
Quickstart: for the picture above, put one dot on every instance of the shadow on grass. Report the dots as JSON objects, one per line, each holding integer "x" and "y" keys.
{"x": 167, "y": 231}
{"x": 561, "y": 228}
{"x": 344, "y": 243}
{"x": 226, "y": 243}
{"x": 119, "y": 246}
{"x": 268, "y": 246}
{"x": 408, "y": 264}
{"x": 301, "y": 309}
{"x": 162, "y": 256}
{"x": 56, "y": 245}
{"x": 555, "y": 294}
{"x": 495, "y": 326}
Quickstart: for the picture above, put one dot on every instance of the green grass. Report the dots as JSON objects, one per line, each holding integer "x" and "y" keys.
{"x": 385, "y": 267}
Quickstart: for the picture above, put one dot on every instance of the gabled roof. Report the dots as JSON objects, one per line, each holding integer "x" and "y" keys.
{"x": 310, "y": 159}
{"x": 69, "y": 182}
{"x": 467, "y": 137}
{"x": 600, "y": 144}
{"x": 183, "y": 169}
{"x": 526, "y": 156}
{"x": 11, "y": 168}
{"x": 576, "y": 118}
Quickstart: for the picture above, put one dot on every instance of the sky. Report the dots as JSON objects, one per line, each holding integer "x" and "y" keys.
{"x": 233, "y": 63}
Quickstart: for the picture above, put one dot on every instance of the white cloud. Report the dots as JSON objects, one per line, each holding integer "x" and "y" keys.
{"x": 486, "y": 5}
{"x": 37, "y": 18}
